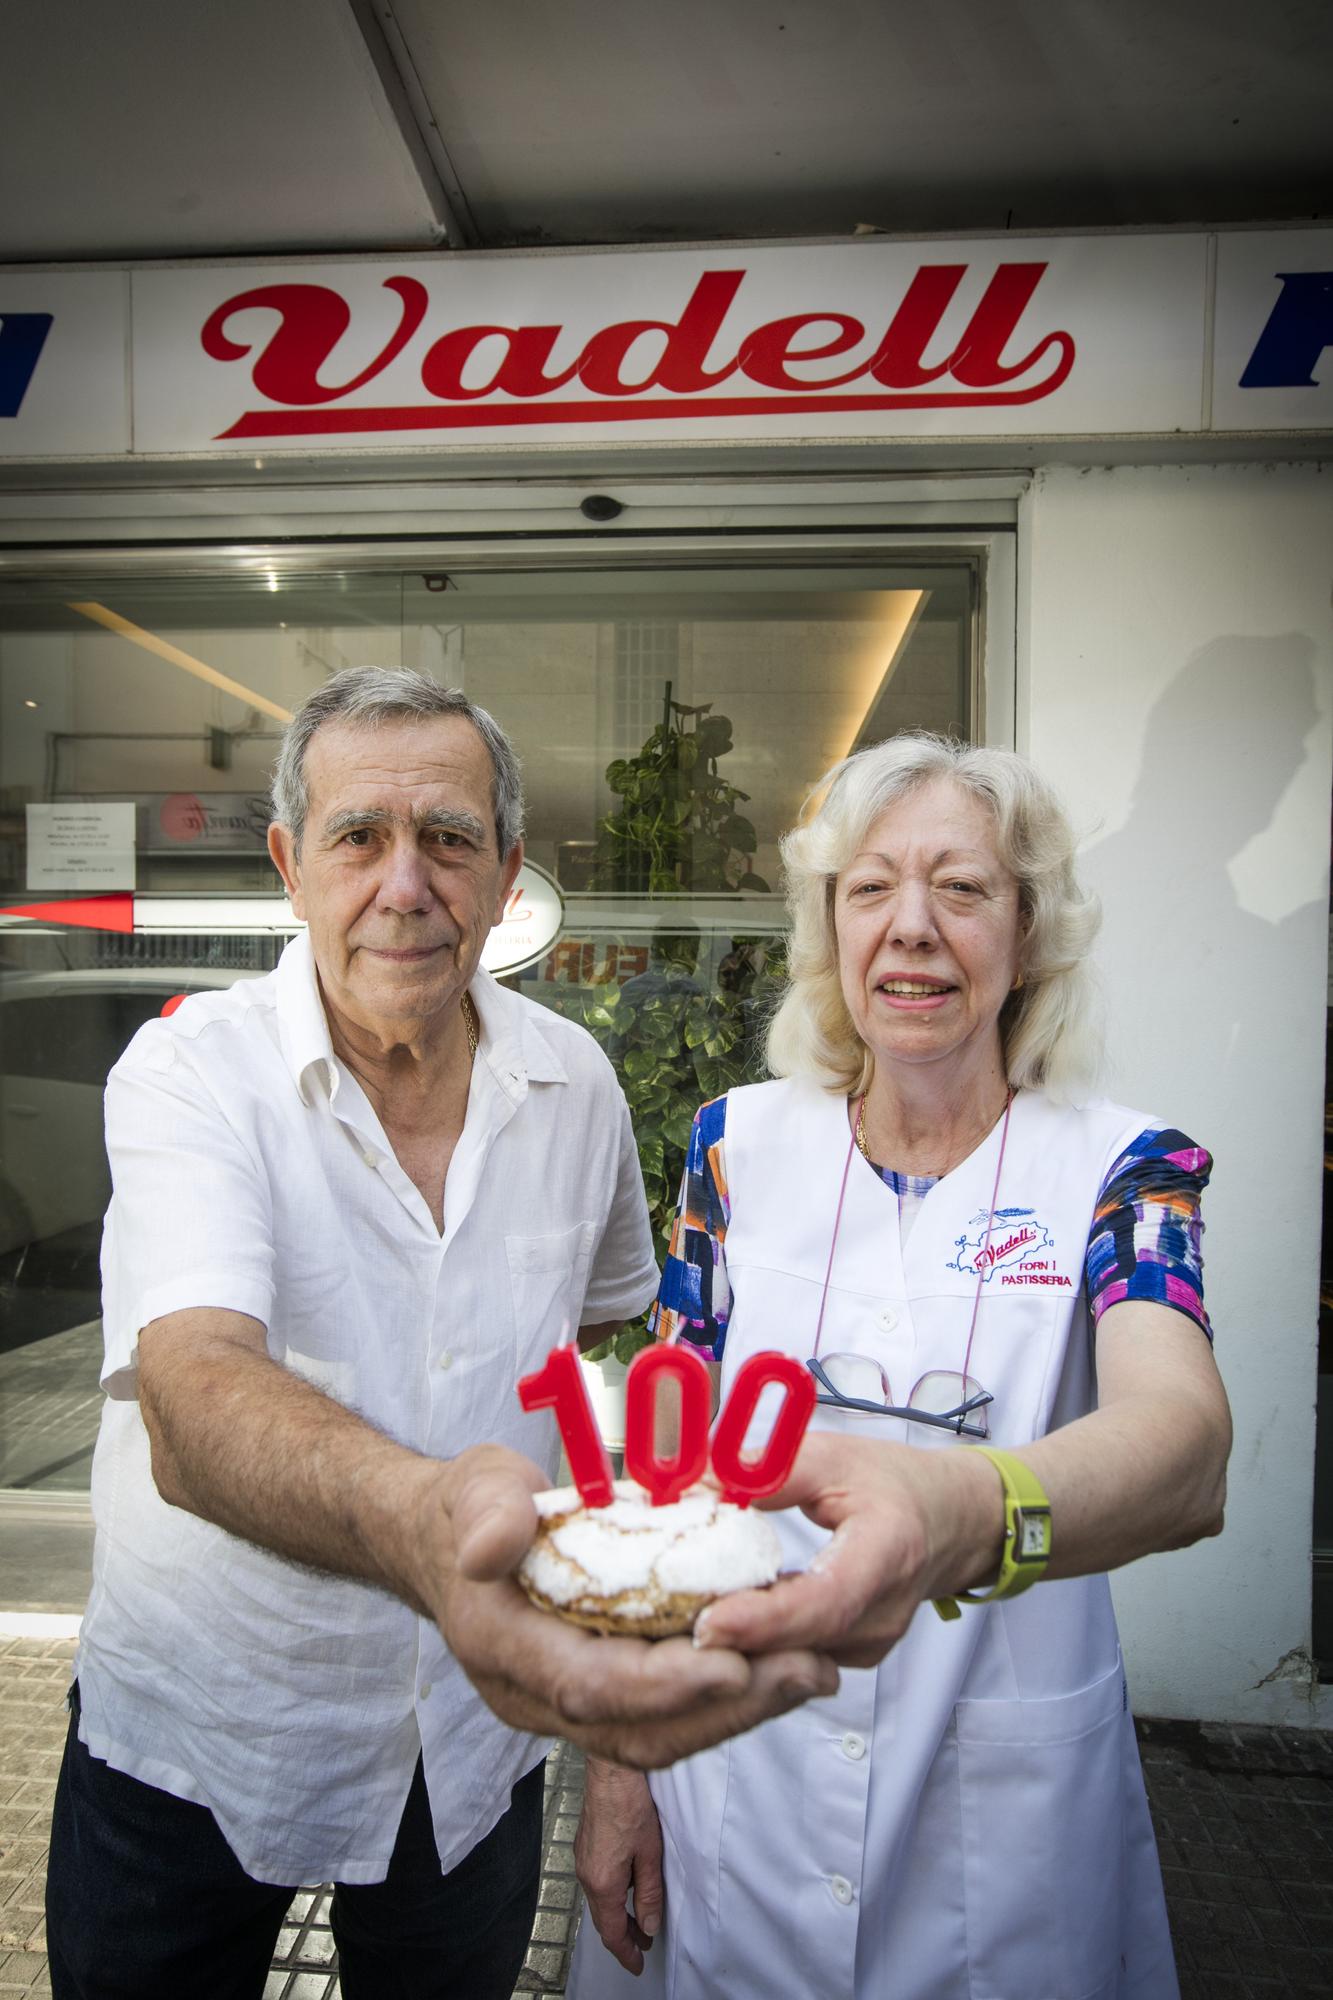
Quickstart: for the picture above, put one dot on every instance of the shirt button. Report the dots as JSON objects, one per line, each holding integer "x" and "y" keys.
{"x": 842, "y": 1889}
{"x": 446, "y": 1360}
{"x": 853, "y": 1746}
{"x": 425, "y": 1690}
{"x": 888, "y": 1319}
{"x": 369, "y": 1158}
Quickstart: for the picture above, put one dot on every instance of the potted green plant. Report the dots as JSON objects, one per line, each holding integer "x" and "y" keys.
{"x": 674, "y": 1041}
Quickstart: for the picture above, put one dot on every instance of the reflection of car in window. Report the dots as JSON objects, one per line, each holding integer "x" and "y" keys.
{"x": 60, "y": 1035}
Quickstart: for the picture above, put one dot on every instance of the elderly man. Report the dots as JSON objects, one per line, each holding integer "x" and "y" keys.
{"x": 354, "y": 1201}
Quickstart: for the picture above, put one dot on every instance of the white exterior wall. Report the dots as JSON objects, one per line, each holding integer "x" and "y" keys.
{"x": 1175, "y": 678}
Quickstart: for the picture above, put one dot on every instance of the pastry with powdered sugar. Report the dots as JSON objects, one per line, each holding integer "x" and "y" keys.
{"x": 641, "y": 1570}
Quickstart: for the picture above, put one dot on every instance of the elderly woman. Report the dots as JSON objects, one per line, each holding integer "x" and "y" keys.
{"x": 996, "y": 1283}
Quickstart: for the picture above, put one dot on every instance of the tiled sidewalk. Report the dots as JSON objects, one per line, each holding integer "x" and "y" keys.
{"x": 305, "y": 1946}
{"x": 1244, "y": 1822}
{"x": 34, "y": 1674}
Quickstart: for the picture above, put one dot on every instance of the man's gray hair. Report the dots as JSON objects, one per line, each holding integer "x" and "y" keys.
{"x": 371, "y": 695}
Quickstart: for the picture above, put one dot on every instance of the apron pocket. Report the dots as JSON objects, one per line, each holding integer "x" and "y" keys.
{"x": 1043, "y": 1843}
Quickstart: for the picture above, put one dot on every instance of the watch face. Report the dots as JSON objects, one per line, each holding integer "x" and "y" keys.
{"x": 1033, "y": 1536}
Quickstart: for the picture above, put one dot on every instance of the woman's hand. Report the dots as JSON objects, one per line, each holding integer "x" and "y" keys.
{"x": 906, "y": 1524}
{"x": 1146, "y": 1470}
{"x": 618, "y": 1850}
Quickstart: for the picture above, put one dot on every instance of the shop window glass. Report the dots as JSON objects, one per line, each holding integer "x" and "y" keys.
{"x": 669, "y": 722}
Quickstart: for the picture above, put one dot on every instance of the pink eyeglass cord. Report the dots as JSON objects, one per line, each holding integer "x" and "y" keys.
{"x": 981, "y": 1254}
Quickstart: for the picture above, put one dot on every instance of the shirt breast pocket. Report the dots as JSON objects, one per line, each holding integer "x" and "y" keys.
{"x": 548, "y": 1281}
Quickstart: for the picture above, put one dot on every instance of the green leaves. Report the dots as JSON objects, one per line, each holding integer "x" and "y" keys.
{"x": 675, "y": 1047}
{"x": 714, "y": 735}
{"x": 676, "y": 1127}
{"x": 630, "y": 1339}
{"x": 678, "y": 828}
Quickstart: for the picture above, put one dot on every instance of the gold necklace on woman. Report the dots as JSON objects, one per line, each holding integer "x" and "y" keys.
{"x": 864, "y": 1149}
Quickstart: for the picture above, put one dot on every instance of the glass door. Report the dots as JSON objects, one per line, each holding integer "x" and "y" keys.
{"x": 669, "y": 719}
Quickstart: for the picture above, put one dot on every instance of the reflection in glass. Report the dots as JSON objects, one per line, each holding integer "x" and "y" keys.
{"x": 669, "y": 723}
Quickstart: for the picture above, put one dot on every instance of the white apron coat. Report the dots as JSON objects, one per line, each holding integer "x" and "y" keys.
{"x": 968, "y": 1820}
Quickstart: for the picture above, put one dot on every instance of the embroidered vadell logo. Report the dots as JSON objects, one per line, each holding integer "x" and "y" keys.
{"x": 1017, "y": 1242}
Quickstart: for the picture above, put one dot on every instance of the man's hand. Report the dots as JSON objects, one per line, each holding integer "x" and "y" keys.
{"x": 618, "y": 1850}
{"x": 637, "y": 1702}
{"x": 243, "y": 1442}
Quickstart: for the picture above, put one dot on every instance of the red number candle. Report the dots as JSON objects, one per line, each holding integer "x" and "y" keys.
{"x": 744, "y": 1480}
{"x": 666, "y": 1479}
{"x": 560, "y": 1387}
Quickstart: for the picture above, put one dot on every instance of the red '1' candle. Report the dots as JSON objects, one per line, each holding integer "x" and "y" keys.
{"x": 560, "y": 1387}
{"x": 744, "y": 1480}
{"x": 666, "y": 1478}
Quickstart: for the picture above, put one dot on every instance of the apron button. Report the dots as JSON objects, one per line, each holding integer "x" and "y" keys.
{"x": 853, "y": 1746}
{"x": 888, "y": 1319}
{"x": 842, "y": 1889}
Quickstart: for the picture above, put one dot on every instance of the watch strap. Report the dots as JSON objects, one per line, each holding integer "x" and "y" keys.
{"x": 1026, "y": 1549}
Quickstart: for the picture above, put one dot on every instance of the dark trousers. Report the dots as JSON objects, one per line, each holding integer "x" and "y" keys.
{"x": 146, "y": 1901}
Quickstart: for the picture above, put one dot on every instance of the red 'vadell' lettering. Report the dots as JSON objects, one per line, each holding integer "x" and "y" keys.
{"x": 311, "y": 321}
{"x": 997, "y": 1251}
{"x": 781, "y": 355}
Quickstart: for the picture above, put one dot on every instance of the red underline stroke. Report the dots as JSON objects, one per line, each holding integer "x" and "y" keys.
{"x": 484, "y": 416}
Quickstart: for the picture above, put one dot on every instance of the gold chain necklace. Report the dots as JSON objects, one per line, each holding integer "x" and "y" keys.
{"x": 470, "y": 1024}
{"x": 860, "y": 1133}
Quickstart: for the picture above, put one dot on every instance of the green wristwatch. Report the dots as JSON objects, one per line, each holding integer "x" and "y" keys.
{"x": 1027, "y": 1534}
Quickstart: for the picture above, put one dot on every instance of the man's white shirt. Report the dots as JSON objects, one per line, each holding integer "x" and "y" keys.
{"x": 252, "y": 1173}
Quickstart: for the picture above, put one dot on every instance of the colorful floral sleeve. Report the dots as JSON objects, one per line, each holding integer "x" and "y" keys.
{"x": 694, "y": 1298}
{"x": 1147, "y": 1230}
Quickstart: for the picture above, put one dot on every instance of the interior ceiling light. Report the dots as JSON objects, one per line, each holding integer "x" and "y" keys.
{"x": 137, "y": 636}
{"x": 881, "y": 662}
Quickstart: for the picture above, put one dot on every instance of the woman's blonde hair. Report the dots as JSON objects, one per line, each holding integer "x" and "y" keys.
{"x": 1048, "y": 1027}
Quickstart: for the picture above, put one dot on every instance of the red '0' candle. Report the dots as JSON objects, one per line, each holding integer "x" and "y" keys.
{"x": 560, "y": 1387}
{"x": 666, "y": 1478}
{"x": 745, "y": 1480}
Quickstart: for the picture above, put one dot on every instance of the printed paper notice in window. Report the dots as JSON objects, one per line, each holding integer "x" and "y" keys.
{"x": 78, "y": 846}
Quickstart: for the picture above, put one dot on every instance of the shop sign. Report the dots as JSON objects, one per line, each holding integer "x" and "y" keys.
{"x": 984, "y": 338}
{"x": 1081, "y": 336}
{"x": 64, "y": 363}
{"x": 212, "y": 822}
{"x": 530, "y": 924}
{"x": 1273, "y": 332}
